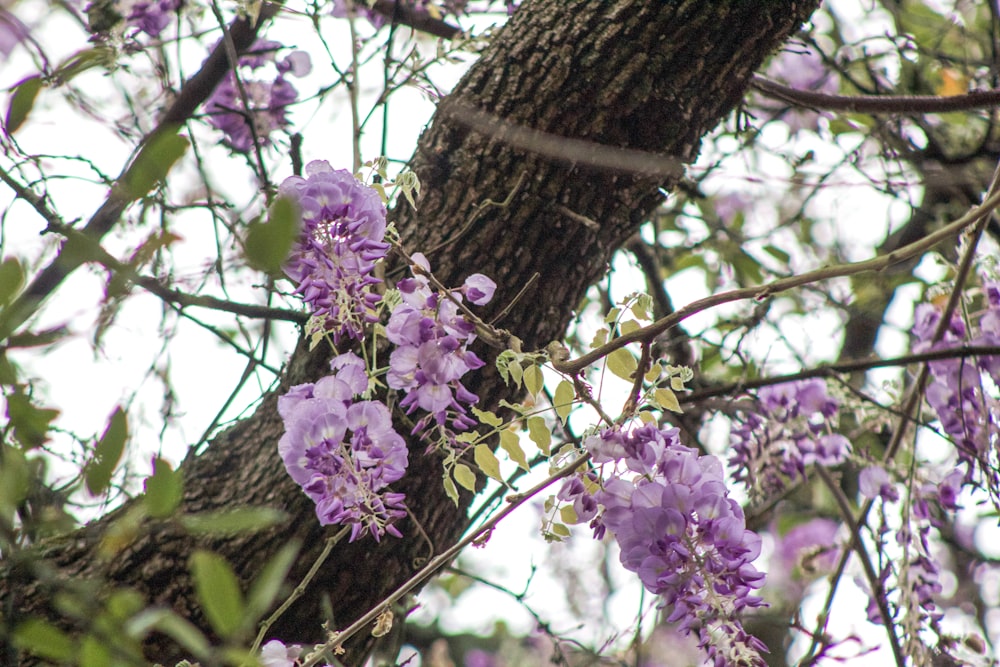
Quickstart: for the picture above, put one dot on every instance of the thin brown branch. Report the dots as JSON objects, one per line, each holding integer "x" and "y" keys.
{"x": 878, "y": 104}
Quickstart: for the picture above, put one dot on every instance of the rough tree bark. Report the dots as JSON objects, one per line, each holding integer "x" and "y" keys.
{"x": 650, "y": 75}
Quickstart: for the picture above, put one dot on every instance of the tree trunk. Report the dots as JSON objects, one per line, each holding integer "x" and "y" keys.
{"x": 652, "y": 75}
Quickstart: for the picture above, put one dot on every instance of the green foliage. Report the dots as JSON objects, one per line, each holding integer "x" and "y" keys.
{"x": 218, "y": 593}
{"x": 107, "y": 453}
{"x": 30, "y": 423}
{"x": 164, "y": 489}
{"x": 21, "y": 103}
{"x": 269, "y": 243}
{"x": 152, "y": 164}
{"x": 239, "y": 520}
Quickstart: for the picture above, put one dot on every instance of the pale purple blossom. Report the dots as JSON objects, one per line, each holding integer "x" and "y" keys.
{"x": 874, "y": 482}
{"x": 669, "y": 510}
{"x": 342, "y": 238}
{"x": 802, "y": 70}
{"x": 12, "y": 32}
{"x": 152, "y": 16}
{"x": 790, "y": 428}
{"x": 344, "y": 452}
{"x": 268, "y": 98}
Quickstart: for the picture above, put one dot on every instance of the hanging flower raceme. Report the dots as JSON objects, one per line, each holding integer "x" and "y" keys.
{"x": 670, "y": 512}
{"x": 790, "y": 429}
{"x": 266, "y": 108}
{"x": 152, "y": 16}
{"x": 432, "y": 353}
{"x": 332, "y": 263}
{"x": 344, "y": 452}
{"x": 969, "y": 415}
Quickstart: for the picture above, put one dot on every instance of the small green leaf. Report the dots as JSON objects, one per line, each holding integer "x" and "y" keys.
{"x": 450, "y": 489}
{"x": 15, "y": 477}
{"x": 533, "y": 379}
{"x": 31, "y": 423}
{"x": 464, "y": 476}
{"x": 268, "y": 244}
{"x": 540, "y": 434}
{"x": 218, "y": 592}
{"x": 511, "y": 444}
{"x": 622, "y": 363}
{"x": 628, "y": 326}
{"x": 778, "y": 254}
{"x": 153, "y": 163}
{"x": 667, "y": 399}
{"x": 612, "y": 315}
{"x": 487, "y": 417}
{"x": 164, "y": 489}
{"x": 174, "y": 626}
{"x": 677, "y": 383}
{"x": 267, "y": 586}
{"x": 21, "y": 103}
{"x": 107, "y": 453}
{"x": 11, "y": 280}
{"x": 487, "y": 462}
{"x": 568, "y": 514}
{"x": 44, "y": 640}
{"x": 94, "y": 653}
{"x": 516, "y": 373}
{"x": 563, "y": 399}
{"x": 227, "y": 522}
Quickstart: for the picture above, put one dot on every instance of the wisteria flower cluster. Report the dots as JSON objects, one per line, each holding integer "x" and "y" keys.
{"x": 343, "y": 452}
{"x": 152, "y": 16}
{"x": 342, "y": 238}
{"x": 969, "y": 415}
{"x": 267, "y": 100}
{"x": 790, "y": 429}
{"x": 12, "y": 32}
{"x": 669, "y": 510}
{"x": 432, "y": 353}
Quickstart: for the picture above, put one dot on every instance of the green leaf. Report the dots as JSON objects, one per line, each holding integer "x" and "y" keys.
{"x": 563, "y": 399}
{"x": 164, "y": 489}
{"x": 44, "y": 640}
{"x": 94, "y": 653}
{"x": 21, "y": 103}
{"x": 464, "y": 476}
{"x": 11, "y": 280}
{"x": 226, "y": 522}
{"x": 31, "y": 423}
{"x": 600, "y": 338}
{"x": 533, "y": 379}
{"x": 511, "y": 444}
{"x": 778, "y": 254}
{"x": 568, "y": 514}
{"x": 107, "y": 453}
{"x": 174, "y": 626}
{"x": 487, "y": 462}
{"x": 667, "y": 399}
{"x": 540, "y": 434}
{"x": 218, "y": 592}
{"x": 267, "y": 586}
{"x": 450, "y": 489}
{"x": 516, "y": 373}
{"x": 487, "y": 417}
{"x": 153, "y": 163}
{"x": 628, "y": 326}
{"x": 15, "y": 477}
{"x": 268, "y": 244}
{"x": 622, "y": 363}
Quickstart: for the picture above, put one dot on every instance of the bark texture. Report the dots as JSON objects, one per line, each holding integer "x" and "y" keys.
{"x": 653, "y": 75}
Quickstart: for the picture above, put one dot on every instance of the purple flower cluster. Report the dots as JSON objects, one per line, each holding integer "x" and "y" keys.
{"x": 969, "y": 415}
{"x": 344, "y": 452}
{"x": 804, "y": 71}
{"x": 790, "y": 429}
{"x": 12, "y": 32}
{"x": 432, "y": 353}
{"x": 152, "y": 16}
{"x": 267, "y": 100}
{"x": 670, "y": 512}
{"x": 343, "y": 227}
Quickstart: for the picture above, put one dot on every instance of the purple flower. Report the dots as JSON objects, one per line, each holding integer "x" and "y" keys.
{"x": 809, "y": 547}
{"x": 432, "y": 353}
{"x": 268, "y": 100}
{"x": 479, "y": 289}
{"x": 152, "y": 16}
{"x": 677, "y": 529}
{"x": 874, "y": 482}
{"x": 332, "y": 263}
{"x": 342, "y": 452}
{"x": 804, "y": 71}
{"x": 12, "y": 32}
{"x": 789, "y": 430}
